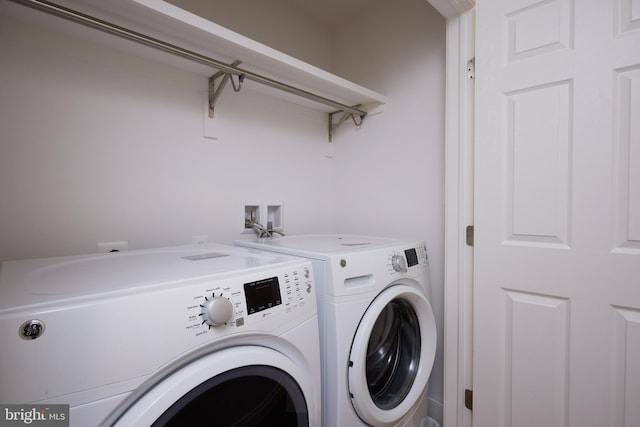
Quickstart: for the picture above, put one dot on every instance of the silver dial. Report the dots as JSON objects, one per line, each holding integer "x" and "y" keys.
{"x": 217, "y": 311}
{"x": 399, "y": 264}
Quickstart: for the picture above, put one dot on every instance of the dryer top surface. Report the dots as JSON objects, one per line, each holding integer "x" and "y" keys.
{"x": 46, "y": 279}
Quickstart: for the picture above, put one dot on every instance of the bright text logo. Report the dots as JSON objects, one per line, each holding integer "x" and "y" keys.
{"x": 34, "y": 415}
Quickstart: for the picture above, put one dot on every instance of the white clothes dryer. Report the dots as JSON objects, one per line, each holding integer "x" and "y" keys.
{"x": 377, "y": 329}
{"x": 163, "y": 337}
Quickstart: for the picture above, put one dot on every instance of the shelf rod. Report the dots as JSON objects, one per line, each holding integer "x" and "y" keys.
{"x": 110, "y": 28}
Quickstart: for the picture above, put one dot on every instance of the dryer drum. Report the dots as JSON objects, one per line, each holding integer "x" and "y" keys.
{"x": 249, "y": 396}
{"x": 393, "y": 354}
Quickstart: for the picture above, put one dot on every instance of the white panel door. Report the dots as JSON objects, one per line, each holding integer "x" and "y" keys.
{"x": 557, "y": 214}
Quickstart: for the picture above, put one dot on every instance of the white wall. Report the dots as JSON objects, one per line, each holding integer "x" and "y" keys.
{"x": 97, "y": 145}
{"x": 389, "y": 174}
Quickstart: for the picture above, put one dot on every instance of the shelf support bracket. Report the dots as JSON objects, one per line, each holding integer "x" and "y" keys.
{"x": 214, "y": 92}
{"x": 357, "y": 120}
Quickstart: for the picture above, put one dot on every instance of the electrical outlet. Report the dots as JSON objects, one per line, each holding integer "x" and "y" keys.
{"x": 113, "y": 246}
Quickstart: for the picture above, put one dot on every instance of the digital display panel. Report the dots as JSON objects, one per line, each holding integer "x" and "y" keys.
{"x": 412, "y": 257}
{"x": 262, "y": 294}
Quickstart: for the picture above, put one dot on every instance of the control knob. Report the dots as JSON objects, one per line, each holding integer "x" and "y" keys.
{"x": 217, "y": 311}
{"x": 398, "y": 263}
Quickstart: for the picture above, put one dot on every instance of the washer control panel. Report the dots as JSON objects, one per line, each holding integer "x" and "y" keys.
{"x": 247, "y": 301}
{"x": 404, "y": 260}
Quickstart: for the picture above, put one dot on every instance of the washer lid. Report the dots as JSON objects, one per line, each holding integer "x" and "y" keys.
{"x": 36, "y": 281}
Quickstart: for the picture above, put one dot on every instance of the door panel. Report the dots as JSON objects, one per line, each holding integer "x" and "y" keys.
{"x": 538, "y": 122}
{"x": 627, "y": 143}
{"x": 536, "y": 325}
{"x": 625, "y": 333}
{"x": 557, "y": 213}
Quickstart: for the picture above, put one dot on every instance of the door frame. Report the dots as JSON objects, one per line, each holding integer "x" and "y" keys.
{"x": 458, "y": 280}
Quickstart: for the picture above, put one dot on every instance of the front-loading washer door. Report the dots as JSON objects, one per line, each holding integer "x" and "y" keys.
{"x": 392, "y": 355}
{"x": 238, "y": 386}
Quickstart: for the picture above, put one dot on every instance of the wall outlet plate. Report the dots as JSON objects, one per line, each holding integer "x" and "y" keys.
{"x": 269, "y": 216}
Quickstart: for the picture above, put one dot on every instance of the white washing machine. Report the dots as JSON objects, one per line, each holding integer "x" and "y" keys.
{"x": 377, "y": 329}
{"x": 163, "y": 337}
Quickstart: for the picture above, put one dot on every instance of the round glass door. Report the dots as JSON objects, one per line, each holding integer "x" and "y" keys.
{"x": 241, "y": 386}
{"x": 245, "y": 397}
{"x": 392, "y": 355}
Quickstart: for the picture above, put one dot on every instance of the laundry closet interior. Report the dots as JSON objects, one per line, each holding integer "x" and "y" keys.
{"x": 104, "y": 139}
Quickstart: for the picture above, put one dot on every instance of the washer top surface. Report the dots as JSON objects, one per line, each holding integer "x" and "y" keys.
{"x": 324, "y": 245}
{"x": 28, "y": 282}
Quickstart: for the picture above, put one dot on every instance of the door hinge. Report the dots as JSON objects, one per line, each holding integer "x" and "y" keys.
{"x": 471, "y": 69}
{"x": 468, "y": 399}
{"x": 469, "y": 235}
